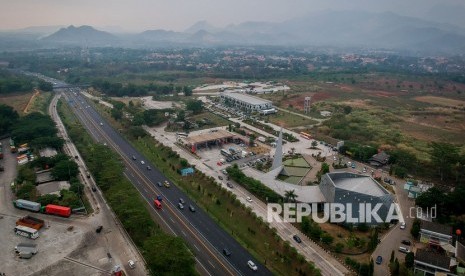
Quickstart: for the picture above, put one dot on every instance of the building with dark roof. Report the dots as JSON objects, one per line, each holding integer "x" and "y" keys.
{"x": 379, "y": 159}
{"x": 354, "y": 189}
{"x": 429, "y": 262}
{"x": 434, "y": 234}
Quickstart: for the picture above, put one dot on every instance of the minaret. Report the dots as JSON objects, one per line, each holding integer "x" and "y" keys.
{"x": 278, "y": 154}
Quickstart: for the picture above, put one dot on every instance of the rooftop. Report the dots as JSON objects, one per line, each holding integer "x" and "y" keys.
{"x": 432, "y": 258}
{"x": 357, "y": 183}
{"x": 436, "y": 227}
{"x": 246, "y": 98}
{"x": 209, "y": 136}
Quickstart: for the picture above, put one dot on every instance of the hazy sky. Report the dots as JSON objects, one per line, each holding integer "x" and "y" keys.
{"x": 138, "y": 15}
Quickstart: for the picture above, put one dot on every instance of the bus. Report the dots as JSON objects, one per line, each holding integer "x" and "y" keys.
{"x": 225, "y": 153}
{"x": 306, "y": 135}
{"x": 182, "y": 134}
{"x": 26, "y": 232}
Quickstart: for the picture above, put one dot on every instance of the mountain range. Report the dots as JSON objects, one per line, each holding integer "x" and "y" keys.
{"x": 354, "y": 29}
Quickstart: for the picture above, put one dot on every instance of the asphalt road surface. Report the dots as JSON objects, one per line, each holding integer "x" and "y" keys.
{"x": 206, "y": 239}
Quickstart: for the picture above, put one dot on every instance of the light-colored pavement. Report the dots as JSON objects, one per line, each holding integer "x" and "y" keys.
{"x": 312, "y": 252}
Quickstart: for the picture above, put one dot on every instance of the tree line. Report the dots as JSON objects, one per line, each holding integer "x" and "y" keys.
{"x": 119, "y": 89}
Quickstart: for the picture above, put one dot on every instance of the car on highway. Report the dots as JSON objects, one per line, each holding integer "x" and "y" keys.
{"x": 406, "y": 242}
{"x": 142, "y": 162}
{"x": 133, "y": 157}
{"x": 148, "y": 168}
{"x": 159, "y": 184}
{"x": 182, "y": 201}
{"x": 379, "y": 260}
{"x": 248, "y": 199}
{"x": 167, "y": 184}
{"x": 402, "y": 225}
{"x": 180, "y": 205}
{"x": 101, "y": 124}
{"x": 252, "y": 265}
{"x": 191, "y": 208}
{"x": 297, "y": 239}
{"x": 226, "y": 252}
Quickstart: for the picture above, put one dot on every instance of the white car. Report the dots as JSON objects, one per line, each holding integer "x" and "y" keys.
{"x": 132, "y": 264}
{"x": 142, "y": 162}
{"x": 252, "y": 265}
{"x": 248, "y": 199}
{"x": 402, "y": 225}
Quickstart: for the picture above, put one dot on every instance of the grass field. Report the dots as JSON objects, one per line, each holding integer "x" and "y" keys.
{"x": 17, "y": 101}
{"x": 441, "y": 101}
{"x": 289, "y": 120}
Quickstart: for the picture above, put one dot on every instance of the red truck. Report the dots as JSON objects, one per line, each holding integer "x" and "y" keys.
{"x": 30, "y": 222}
{"x": 58, "y": 210}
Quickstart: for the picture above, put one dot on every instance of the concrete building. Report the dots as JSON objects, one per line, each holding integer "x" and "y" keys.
{"x": 432, "y": 263}
{"x": 247, "y": 103}
{"x": 354, "y": 189}
{"x": 435, "y": 234}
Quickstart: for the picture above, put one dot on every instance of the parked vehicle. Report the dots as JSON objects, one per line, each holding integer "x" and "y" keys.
{"x": 27, "y": 232}
{"x": 379, "y": 260}
{"x": 402, "y": 225}
{"x": 182, "y": 201}
{"x": 406, "y": 242}
{"x": 181, "y": 206}
{"x": 229, "y": 185}
{"x": 131, "y": 264}
{"x": 297, "y": 239}
{"x": 99, "y": 229}
{"x": 191, "y": 208}
{"x": 159, "y": 184}
{"x": 30, "y": 222}
{"x": 26, "y": 247}
{"x": 27, "y": 205}
{"x": 404, "y": 249}
{"x": 25, "y": 255}
{"x": 226, "y": 252}
{"x": 58, "y": 210}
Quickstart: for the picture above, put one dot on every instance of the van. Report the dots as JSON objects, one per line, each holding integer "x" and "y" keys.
{"x": 404, "y": 249}
{"x": 25, "y": 255}
{"x": 157, "y": 204}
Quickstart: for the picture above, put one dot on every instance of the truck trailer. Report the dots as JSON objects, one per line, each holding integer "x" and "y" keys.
{"x": 31, "y": 222}
{"x": 27, "y": 205}
{"x": 58, "y": 210}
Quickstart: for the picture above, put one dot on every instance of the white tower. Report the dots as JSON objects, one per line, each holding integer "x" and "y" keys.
{"x": 307, "y": 105}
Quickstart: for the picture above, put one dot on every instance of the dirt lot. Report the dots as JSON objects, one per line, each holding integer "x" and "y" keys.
{"x": 441, "y": 101}
{"x": 17, "y": 101}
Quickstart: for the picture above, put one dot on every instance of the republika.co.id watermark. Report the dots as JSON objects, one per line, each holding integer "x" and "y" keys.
{"x": 341, "y": 213}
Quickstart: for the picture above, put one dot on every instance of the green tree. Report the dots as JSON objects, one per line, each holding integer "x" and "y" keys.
{"x": 187, "y": 91}
{"x": 117, "y": 114}
{"x": 8, "y": 118}
{"x": 324, "y": 168}
{"x": 26, "y": 191}
{"x": 175, "y": 260}
{"x": 416, "y": 227}
{"x": 45, "y": 86}
{"x": 65, "y": 170}
{"x": 444, "y": 157}
{"x": 327, "y": 238}
{"x": 196, "y": 106}
{"x": 314, "y": 144}
{"x": 409, "y": 260}
{"x": 290, "y": 196}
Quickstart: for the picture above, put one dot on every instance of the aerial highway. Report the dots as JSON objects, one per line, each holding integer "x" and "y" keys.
{"x": 207, "y": 240}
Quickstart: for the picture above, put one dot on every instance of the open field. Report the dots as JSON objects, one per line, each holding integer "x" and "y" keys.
{"x": 289, "y": 120}
{"x": 17, "y": 101}
{"x": 441, "y": 101}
